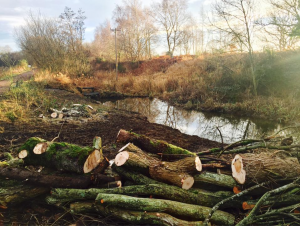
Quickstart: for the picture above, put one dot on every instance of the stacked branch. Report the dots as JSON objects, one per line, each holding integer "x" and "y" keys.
{"x": 141, "y": 188}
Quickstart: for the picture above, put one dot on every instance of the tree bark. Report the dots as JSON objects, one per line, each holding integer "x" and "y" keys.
{"x": 177, "y": 209}
{"x": 138, "y": 178}
{"x": 13, "y": 192}
{"x": 256, "y": 168}
{"x": 164, "y": 174}
{"x": 61, "y": 156}
{"x": 209, "y": 178}
{"x": 55, "y": 181}
{"x": 199, "y": 197}
{"x": 150, "y": 145}
{"x": 132, "y": 157}
{"x": 130, "y": 216}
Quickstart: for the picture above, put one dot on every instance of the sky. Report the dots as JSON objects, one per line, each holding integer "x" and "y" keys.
{"x": 14, "y": 12}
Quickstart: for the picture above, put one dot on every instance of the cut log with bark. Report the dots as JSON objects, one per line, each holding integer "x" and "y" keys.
{"x": 256, "y": 168}
{"x": 130, "y": 216}
{"x": 176, "y": 209}
{"x": 210, "y": 179}
{"x": 199, "y": 197}
{"x": 163, "y": 174}
{"x": 134, "y": 158}
{"x": 62, "y": 156}
{"x": 150, "y": 145}
{"x": 136, "y": 177}
{"x": 13, "y": 192}
{"x": 54, "y": 181}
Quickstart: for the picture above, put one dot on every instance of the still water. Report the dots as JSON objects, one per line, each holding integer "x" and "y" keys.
{"x": 202, "y": 124}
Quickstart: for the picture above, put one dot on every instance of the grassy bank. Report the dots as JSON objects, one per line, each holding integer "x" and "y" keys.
{"x": 220, "y": 83}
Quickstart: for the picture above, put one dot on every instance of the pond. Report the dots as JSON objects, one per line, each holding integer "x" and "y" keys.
{"x": 202, "y": 124}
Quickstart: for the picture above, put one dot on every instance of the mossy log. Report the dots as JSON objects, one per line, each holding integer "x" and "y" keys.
{"x": 176, "y": 209}
{"x": 132, "y": 217}
{"x": 13, "y": 192}
{"x": 61, "y": 156}
{"x": 54, "y": 181}
{"x": 207, "y": 178}
{"x": 150, "y": 145}
{"x": 257, "y": 168}
{"x": 199, "y": 197}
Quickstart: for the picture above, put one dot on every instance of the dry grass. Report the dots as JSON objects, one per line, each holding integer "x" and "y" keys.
{"x": 213, "y": 83}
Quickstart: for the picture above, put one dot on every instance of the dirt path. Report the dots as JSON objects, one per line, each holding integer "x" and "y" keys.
{"x": 5, "y": 85}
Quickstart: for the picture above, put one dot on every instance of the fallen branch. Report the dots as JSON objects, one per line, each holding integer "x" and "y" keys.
{"x": 250, "y": 218}
{"x": 177, "y": 209}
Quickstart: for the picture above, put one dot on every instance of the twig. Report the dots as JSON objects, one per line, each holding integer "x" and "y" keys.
{"x": 276, "y": 212}
{"x": 221, "y": 138}
{"x": 251, "y": 217}
{"x": 289, "y": 127}
{"x": 58, "y": 133}
{"x": 216, "y": 207}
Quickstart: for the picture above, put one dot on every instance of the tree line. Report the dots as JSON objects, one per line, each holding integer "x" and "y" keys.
{"x": 231, "y": 25}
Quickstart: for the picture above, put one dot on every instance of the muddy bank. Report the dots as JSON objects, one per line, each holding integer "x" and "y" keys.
{"x": 107, "y": 128}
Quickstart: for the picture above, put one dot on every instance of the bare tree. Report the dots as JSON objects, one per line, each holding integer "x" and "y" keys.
{"x": 55, "y": 44}
{"x": 137, "y": 33}
{"x": 171, "y": 15}
{"x": 281, "y": 24}
{"x": 235, "y": 18}
{"x": 103, "y": 45}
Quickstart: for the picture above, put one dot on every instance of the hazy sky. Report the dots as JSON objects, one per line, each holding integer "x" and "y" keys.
{"x": 13, "y": 12}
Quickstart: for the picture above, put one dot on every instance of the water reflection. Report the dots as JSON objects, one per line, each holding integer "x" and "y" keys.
{"x": 198, "y": 123}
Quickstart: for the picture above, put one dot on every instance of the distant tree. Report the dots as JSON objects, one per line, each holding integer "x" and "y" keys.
{"x": 280, "y": 26}
{"x": 171, "y": 16}
{"x": 103, "y": 45}
{"x": 235, "y": 18}
{"x": 55, "y": 44}
{"x": 136, "y": 30}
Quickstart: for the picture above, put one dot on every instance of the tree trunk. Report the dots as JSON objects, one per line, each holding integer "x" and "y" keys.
{"x": 55, "y": 181}
{"x": 130, "y": 216}
{"x": 132, "y": 157}
{"x": 177, "y": 209}
{"x": 164, "y": 174}
{"x": 177, "y": 172}
{"x": 62, "y": 156}
{"x": 150, "y": 145}
{"x": 199, "y": 197}
{"x": 257, "y": 168}
{"x": 138, "y": 178}
{"x": 13, "y": 192}
{"x": 219, "y": 180}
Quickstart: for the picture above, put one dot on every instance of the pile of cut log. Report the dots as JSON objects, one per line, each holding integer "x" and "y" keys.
{"x": 150, "y": 181}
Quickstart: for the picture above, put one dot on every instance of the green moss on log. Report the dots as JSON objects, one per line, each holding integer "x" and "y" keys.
{"x": 59, "y": 155}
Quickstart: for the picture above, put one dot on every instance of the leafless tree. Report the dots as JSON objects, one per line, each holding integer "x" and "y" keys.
{"x": 103, "y": 45}
{"x": 54, "y": 44}
{"x": 171, "y": 16}
{"x": 281, "y": 23}
{"x": 235, "y": 18}
{"x": 137, "y": 33}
